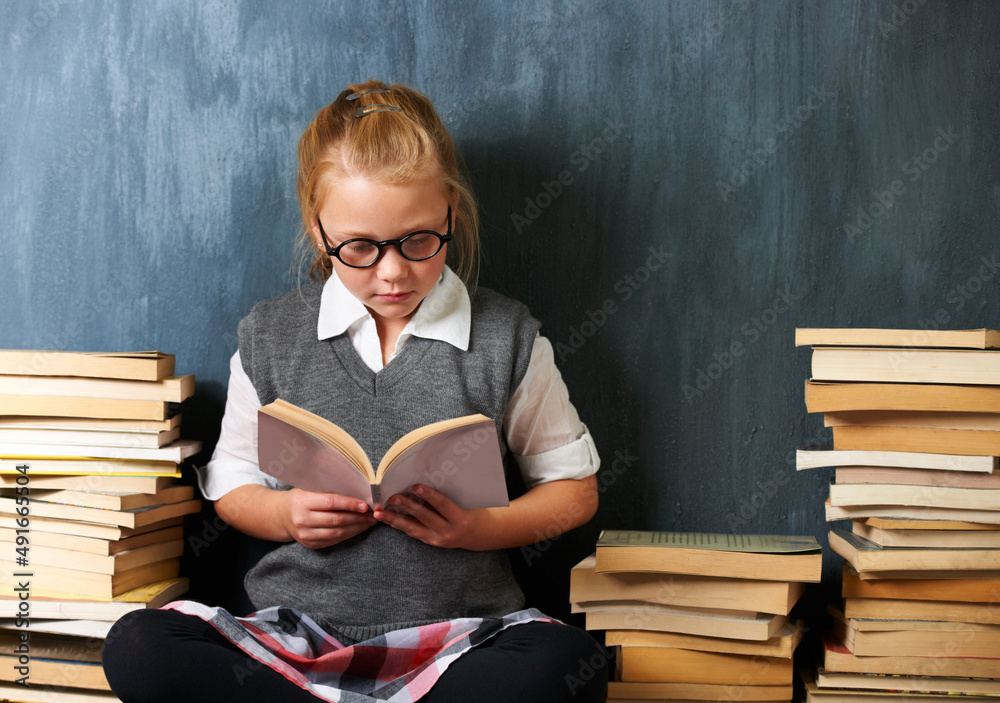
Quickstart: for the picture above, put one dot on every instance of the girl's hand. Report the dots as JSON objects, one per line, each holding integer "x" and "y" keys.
{"x": 317, "y": 520}
{"x": 433, "y": 518}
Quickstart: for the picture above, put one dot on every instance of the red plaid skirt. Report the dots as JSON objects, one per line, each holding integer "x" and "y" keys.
{"x": 398, "y": 667}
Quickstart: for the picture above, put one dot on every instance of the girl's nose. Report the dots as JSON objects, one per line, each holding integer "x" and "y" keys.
{"x": 393, "y": 265}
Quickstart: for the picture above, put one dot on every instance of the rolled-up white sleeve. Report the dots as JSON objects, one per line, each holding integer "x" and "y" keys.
{"x": 234, "y": 462}
{"x": 543, "y": 429}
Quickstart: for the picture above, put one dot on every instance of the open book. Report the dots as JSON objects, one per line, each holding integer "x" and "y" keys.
{"x": 459, "y": 457}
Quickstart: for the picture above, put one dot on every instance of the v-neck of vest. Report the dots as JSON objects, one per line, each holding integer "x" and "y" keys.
{"x": 373, "y": 381}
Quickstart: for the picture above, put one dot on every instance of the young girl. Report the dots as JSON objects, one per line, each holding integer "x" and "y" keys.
{"x": 417, "y": 601}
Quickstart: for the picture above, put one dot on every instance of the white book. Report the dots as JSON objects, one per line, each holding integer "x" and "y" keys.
{"x": 176, "y": 451}
{"x": 810, "y": 459}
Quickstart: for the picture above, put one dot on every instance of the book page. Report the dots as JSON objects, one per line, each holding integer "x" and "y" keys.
{"x": 464, "y": 463}
{"x": 296, "y": 457}
{"x": 761, "y": 544}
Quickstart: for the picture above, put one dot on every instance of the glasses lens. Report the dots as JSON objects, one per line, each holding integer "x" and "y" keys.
{"x": 421, "y": 245}
{"x": 358, "y": 253}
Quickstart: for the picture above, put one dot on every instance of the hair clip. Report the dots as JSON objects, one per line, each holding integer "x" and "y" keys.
{"x": 355, "y": 96}
{"x": 375, "y": 107}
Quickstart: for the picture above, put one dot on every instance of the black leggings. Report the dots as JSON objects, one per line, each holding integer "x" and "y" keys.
{"x": 163, "y": 655}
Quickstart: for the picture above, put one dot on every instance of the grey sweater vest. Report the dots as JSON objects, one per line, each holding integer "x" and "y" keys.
{"x": 383, "y": 579}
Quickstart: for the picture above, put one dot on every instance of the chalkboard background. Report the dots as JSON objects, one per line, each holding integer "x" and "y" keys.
{"x": 672, "y": 187}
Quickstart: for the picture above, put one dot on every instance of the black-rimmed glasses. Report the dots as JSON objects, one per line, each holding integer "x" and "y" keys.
{"x": 362, "y": 253}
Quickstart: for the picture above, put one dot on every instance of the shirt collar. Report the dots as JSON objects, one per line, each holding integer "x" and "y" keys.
{"x": 444, "y": 315}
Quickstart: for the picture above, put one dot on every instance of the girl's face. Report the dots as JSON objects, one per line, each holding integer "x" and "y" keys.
{"x": 394, "y": 287}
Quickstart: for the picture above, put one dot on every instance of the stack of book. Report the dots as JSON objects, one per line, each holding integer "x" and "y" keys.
{"x": 90, "y": 510}
{"x": 61, "y": 637}
{"x": 697, "y": 616}
{"x": 916, "y": 435}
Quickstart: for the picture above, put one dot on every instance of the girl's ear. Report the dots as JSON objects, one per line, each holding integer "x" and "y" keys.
{"x": 315, "y": 236}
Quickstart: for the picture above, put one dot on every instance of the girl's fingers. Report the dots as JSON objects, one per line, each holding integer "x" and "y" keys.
{"x": 334, "y": 501}
{"x": 436, "y": 499}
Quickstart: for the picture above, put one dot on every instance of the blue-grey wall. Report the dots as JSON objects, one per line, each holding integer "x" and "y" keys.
{"x": 672, "y": 185}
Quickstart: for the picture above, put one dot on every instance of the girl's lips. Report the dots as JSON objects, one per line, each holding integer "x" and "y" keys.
{"x": 393, "y": 297}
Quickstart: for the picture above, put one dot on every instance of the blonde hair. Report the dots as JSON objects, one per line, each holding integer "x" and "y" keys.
{"x": 393, "y": 147}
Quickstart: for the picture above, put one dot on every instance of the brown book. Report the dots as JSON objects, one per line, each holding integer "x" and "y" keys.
{"x": 947, "y": 628}
{"x": 945, "y": 614}
{"x": 910, "y": 513}
{"x": 68, "y": 406}
{"x": 695, "y": 691}
{"x": 58, "y": 605}
{"x": 832, "y": 397}
{"x": 783, "y": 644}
{"x": 914, "y": 418}
{"x": 818, "y": 694}
{"x": 963, "y": 590}
{"x": 918, "y": 439}
{"x": 51, "y": 672}
{"x": 95, "y": 482}
{"x": 866, "y": 556}
{"x": 913, "y": 523}
{"x": 98, "y": 531}
{"x": 759, "y": 627}
{"x": 881, "y": 365}
{"x": 851, "y": 494}
{"x": 668, "y": 664}
{"x": 775, "y": 597}
{"x": 111, "y": 500}
{"x": 65, "y": 647}
{"x": 137, "y": 517}
{"x": 932, "y": 684}
{"x": 88, "y": 583}
{"x": 761, "y": 557}
{"x": 916, "y": 477}
{"x": 138, "y": 366}
{"x": 936, "y": 539}
{"x": 862, "y": 337}
{"x": 92, "y": 545}
{"x": 917, "y": 643}
{"x": 90, "y": 423}
{"x": 110, "y": 564}
{"x": 837, "y": 657}
{"x": 43, "y": 694}
{"x": 174, "y": 389}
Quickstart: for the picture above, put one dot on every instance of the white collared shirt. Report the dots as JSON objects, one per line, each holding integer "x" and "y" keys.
{"x": 542, "y": 428}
